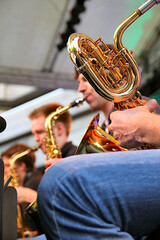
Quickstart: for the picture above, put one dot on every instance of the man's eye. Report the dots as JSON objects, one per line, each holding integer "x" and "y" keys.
{"x": 41, "y": 132}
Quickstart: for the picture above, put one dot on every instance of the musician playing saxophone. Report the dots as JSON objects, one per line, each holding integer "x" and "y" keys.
{"x": 61, "y": 130}
{"x": 26, "y": 180}
{"x": 98, "y": 103}
{"x": 95, "y": 101}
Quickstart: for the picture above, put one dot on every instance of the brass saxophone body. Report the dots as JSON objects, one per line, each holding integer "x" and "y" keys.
{"x": 52, "y": 148}
{"x": 115, "y": 74}
{"x": 15, "y": 182}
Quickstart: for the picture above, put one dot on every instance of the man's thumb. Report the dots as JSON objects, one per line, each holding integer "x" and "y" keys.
{"x": 151, "y": 105}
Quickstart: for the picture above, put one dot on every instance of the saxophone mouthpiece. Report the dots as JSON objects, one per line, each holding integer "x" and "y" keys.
{"x": 78, "y": 101}
{"x": 34, "y": 148}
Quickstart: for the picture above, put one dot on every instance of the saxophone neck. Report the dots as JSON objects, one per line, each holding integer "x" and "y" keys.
{"x": 18, "y": 155}
{"x": 60, "y": 110}
{"x": 54, "y": 116}
{"x": 117, "y": 39}
{"x": 121, "y": 50}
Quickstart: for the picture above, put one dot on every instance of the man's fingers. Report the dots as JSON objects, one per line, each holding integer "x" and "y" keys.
{"x": 151, "y": 105}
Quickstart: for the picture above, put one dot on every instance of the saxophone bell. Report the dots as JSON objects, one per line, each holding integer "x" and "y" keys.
{"x": 95, "y": 140}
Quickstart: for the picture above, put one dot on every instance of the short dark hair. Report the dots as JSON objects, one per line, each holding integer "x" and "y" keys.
{"x": 28, "y": 159}
{"x": 46, "y": 109}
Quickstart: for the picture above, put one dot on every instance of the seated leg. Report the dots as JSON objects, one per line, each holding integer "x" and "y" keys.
{"x": 101, "y": 196}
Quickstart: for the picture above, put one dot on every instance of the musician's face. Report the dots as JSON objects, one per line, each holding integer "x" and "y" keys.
{"x": 38, "y": 130}
{"x": 95, "y": 101}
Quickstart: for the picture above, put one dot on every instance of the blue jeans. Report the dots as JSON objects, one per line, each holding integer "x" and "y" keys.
{"x": 101, "y": 196}
{"x": 41, "y": 237}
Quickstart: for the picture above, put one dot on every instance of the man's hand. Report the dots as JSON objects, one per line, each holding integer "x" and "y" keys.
{"x": 130, "y": 126}
{"x": 51, "y": 162}
{"x": 25, "y": 195}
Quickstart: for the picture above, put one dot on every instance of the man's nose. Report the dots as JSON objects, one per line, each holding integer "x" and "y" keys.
{"x": 36, "y": 137}
{"x": 81, "y": 87}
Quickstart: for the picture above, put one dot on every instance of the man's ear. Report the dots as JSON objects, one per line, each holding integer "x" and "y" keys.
{"x": 60, "y": 128}
{"x": 21, "y": 165}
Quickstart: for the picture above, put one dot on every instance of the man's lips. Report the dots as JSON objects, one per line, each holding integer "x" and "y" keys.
{"x": 40, "y": 145}
{"x": 88, "y": 98}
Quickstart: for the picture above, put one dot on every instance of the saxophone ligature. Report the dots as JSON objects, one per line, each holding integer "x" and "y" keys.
{"x": 114, "y": 75}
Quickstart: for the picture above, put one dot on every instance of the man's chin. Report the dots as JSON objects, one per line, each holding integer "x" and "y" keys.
{"x": 92, "y": 104}
{"x": 93, "y": 107}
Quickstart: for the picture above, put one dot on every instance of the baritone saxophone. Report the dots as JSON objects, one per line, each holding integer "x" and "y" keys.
{"x": 114, "y": 75}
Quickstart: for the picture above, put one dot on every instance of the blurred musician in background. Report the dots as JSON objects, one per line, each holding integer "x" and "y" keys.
{"x": 25, "y": 179}
{"x": 60, "y": 130}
